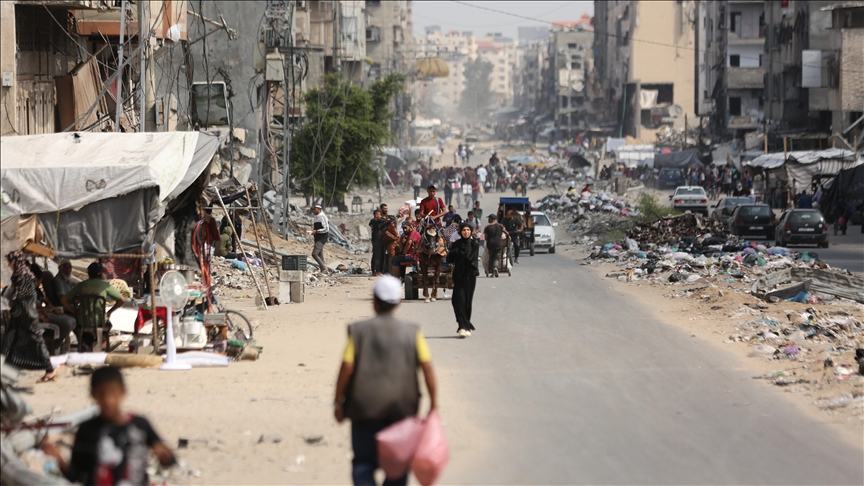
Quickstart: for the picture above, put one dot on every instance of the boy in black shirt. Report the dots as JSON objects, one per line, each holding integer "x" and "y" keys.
{"x": 112, "y": 448}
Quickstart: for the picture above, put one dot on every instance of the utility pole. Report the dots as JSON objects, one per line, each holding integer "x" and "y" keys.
{"x": 143, "y": 36}
{"x": 119, "y": 93}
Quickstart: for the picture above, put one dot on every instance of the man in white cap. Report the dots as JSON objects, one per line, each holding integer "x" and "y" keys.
{"x": 380, "y": 363}
{"x": 320, "y": 231}
{"x": 64, "y": 281}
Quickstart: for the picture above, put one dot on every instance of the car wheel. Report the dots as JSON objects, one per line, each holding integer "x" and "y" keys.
{"x": 551, "y": 249}
{"x": 824, "y": 245}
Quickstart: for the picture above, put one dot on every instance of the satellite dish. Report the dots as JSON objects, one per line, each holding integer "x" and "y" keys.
{"x": 173, "y": 290}
{"x": 675, "y": 111}
{"x": 174, "y": 293}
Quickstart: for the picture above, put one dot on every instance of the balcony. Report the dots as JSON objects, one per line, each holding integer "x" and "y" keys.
{"x": 743, "y": 123}
{"x": 745, "y": 78}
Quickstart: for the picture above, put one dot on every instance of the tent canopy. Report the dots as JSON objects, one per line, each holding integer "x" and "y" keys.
{"x": 804, "y": 166}
{"x": 679, "y": 160}
{"x": 99, "y": 193}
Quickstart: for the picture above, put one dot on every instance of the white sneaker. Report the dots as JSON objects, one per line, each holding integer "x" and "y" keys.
{"x": 467, "y": 333}
{"x": 462, "y": 333}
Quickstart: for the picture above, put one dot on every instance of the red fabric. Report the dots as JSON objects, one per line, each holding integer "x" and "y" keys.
{"x": 145, "y": 315}
{"x": 433, "y": 204}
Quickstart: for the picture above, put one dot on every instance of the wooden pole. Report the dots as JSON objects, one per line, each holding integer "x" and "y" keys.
{"x": 243, "y": 250}
{"x": 684, "y": 140}
{"x": 264, "y": 216}
{"x": 784, "y": 149}
{"x": 260, "y": 251}
{"x": 765, "y": 139}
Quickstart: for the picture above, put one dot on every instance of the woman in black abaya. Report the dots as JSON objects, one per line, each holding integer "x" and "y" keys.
{"x": 463, "y": 256}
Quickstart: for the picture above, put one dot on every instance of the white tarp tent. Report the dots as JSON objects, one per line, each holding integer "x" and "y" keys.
{"x": 99, "y": 193}
{"x": 803, "y": 166}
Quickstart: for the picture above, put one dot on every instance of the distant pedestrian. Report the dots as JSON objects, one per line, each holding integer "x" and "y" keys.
{"x": 380, "y": 364}
{"x": 463, "y": 256}
{"x": 377, "y": 225}
{"x": 320, "y": 231}
{"x": 493, "y": 233}
{"x": 417, "y": 183}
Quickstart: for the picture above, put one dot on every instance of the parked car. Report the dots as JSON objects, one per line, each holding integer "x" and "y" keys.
{"x": 544, "y": 232}
{"x": 723, "y": 208}
{"x": 802, "y": 226}
{"x": 690, "y": 198}
{"x": 669, "y": 178}
{"x": 752, "y": 220}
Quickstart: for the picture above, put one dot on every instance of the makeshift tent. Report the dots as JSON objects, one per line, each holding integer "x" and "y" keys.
{"x": 678, "y": 160}
{"x": 634, "y": 155}
{"x": 98, "y": 194}
{"x": 849, "y": 185}
{"x": 804, "y": 166}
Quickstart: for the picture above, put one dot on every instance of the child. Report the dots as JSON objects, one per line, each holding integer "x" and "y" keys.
{"x": 112, "y": 448}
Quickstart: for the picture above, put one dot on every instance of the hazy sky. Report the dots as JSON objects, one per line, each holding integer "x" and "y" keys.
{"x": 455, "y": 16}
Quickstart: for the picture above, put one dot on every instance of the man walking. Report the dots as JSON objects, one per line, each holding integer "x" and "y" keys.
{"x": 417, "y": 182}
{"x": 513, "y": 225}
{"x": 482, "y": 173}
{"x": 380, "y": 363}
{"x": 493, "y": 232}
{"x": 320, "y": 231}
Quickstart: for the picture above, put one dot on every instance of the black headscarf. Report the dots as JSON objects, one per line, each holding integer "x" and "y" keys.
{"x": 464, "y": 256}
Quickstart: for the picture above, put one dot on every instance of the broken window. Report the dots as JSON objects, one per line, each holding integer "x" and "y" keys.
{"x": 564, "y": 102}
{"x": 735, "y": 22}
{"x": 735, "y": 106}
{"x": 734, "y": 60}
{"x": 373, "y": 34}
{"x": 665, "y": 92}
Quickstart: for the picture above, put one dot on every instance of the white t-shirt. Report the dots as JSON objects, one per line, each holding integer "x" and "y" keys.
{"x": 417, "y": 180}
{"x": 481, "y": 174}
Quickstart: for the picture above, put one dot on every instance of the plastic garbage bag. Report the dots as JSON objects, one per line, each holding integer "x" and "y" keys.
{"x": 238, "y": 265}
{"x": 397, "y": 445}
{"x": 801, "y": 297}
{"x": 432, "y": 453}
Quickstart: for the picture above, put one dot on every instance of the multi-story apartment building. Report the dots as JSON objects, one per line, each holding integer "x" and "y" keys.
{"x": 389, "y": 41}
{"x": 569, "y": 53}
{"x": 644, "y": 75}
{"x": 729, "y": 57}
{"x": 529, "y": 80}
{"x": 833, "y": 67}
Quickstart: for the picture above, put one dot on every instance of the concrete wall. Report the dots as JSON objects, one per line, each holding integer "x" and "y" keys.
{"x": 8, "y": 120}
{"x": 851, "y": 78}
{"x": 749, "y": 25}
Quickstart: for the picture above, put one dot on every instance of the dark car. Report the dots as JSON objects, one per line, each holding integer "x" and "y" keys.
{"x": 752, "y": 220}
{"x": 670, "y": 178}
{"x": 802, "y": 226}
{"x": 723, "y": 208}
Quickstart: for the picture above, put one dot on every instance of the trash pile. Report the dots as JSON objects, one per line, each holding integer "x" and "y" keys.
{"x": 687, "y": 249}
{"x": 824, "y": 351}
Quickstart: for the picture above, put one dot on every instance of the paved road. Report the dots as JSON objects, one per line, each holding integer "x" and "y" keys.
{"x": 569, "y": 382}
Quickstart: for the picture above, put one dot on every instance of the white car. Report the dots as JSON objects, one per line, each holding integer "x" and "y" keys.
{"x": 690, "y": 198}
{"x": 544, "y": 232}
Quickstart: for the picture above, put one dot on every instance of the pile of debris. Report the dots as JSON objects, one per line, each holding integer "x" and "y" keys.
{"x": 678, "y": 230}
{"x": 591, "y": 213}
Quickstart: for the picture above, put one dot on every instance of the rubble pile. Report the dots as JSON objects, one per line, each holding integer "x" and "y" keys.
{"x": 592, "y": 214}
{"x": 684, "y": 228}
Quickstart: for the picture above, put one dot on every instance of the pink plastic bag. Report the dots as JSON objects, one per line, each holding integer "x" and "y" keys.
{"x": 432, "y": 453}
{"x": 397, "y": 445}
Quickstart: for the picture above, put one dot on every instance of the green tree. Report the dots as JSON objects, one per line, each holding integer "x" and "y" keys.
{"x": 346, "y": 125}
{"x": 477, "y": 96}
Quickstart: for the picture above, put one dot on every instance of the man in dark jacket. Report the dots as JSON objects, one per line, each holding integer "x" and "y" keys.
{"x": 377, "y": 384}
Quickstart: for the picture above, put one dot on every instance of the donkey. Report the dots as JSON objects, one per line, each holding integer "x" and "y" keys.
{"x": 431, "y": 253}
